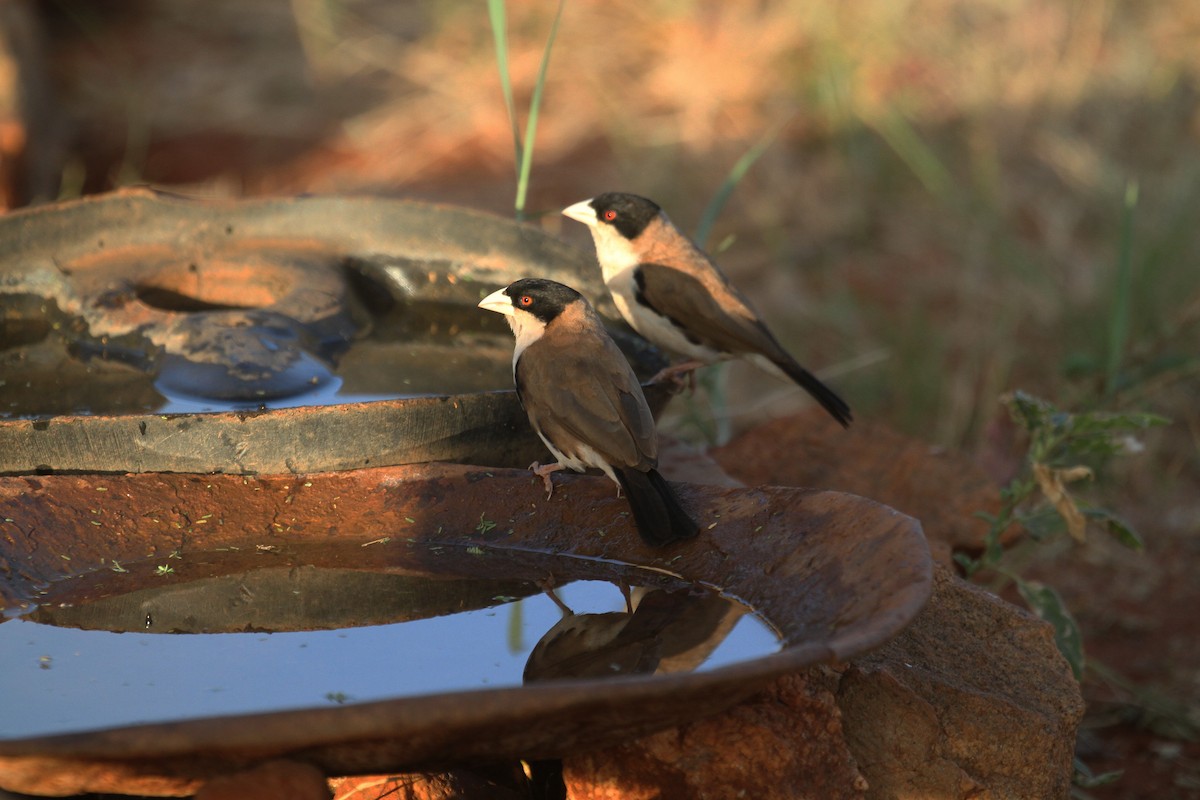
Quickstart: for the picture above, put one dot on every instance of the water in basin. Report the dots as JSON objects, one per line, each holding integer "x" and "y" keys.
{"x": 291, "y": 637}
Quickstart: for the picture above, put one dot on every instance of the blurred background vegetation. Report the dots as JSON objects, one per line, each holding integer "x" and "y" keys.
{"x": 937, "y": 216}
{"x": 954, "y": 198}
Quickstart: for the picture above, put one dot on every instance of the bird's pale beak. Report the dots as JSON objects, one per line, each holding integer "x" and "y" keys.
{"x": 582, "y": 212}
{"x": 499, "y": 302}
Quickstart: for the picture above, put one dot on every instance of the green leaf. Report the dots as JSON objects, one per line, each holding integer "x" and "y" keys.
{"x": 1117, "y": 421}
{"x": 1097, "y": 437}
{"x": 1047, "y": 604}
{"x": 1086, "y": 779}
{"x": 993, "y": 550}
{"x": 1117, "y": 527}
{"x": 1034, "y": 414}
{"x": 970, "y": 565}
{"x": 1060, "y": 439}
{"x": 1043, "y": 522}
{"x": 1030, "y": 412}
{"x": 988, "y": 517}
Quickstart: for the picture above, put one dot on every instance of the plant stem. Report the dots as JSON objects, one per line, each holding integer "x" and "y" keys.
{"x": 1118, "y": 323}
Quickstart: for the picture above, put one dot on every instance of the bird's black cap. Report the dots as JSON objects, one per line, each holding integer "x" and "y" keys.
{"x": 543, "y": 298}
{"x": 631, "y": 214}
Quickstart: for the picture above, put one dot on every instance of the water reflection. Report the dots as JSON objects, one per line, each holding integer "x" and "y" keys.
{"x": 662, "y": 630}
{"x": 53, "y": 376}
{"x": 301, "y": 636}
{"x": 665, "y": 631}
{"x": 416, "y": 350}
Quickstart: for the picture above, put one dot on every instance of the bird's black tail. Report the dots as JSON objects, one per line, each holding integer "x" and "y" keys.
{"x": 810, "y": 383}
{"x": 657, "y": 512}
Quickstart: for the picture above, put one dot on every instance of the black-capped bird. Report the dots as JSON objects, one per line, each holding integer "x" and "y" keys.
{"x": 673, "y": 294}
{"x": 584, "y": 401}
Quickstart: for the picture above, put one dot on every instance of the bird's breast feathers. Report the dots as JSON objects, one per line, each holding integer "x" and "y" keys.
{"x": 583, "y": 398}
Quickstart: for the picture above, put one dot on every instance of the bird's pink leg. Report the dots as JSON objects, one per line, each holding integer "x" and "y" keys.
{"x": 623, "y": 585}
{"x": 674, "y": 373}
{"x": 544, "y": 471}
{"x": 547, "y": 585}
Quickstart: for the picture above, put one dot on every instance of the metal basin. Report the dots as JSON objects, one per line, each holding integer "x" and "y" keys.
{"x": 834, "y": 574}
{"x": 273, "y": 318}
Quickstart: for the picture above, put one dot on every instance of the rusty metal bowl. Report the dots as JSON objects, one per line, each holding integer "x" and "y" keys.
{"x": 834, "y": 574}
{"x": 258, "y": 308}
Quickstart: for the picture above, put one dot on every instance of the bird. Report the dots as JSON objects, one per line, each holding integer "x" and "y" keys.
{"x": 611, "y": 643}
{"x": 585, "y": 403}
{"x": 677, "y": 298}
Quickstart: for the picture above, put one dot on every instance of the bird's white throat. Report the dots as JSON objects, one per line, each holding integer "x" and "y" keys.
{"x": 618, "y": 264}
{"x": 615, "y": 253}
{"x": 526, "y": 329}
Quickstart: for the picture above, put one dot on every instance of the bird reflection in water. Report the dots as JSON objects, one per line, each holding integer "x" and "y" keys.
{"x": 667, "y": 631}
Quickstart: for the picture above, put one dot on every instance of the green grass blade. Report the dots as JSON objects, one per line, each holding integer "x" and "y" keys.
{"x": 525, "y": 161}
{"x": 904, "y": 139}
{"x": 739, "y": 170}
{"x": 713, "y": 380}
{"x": 498, "y": 17}
{"x": 1118, "y": 321}
{"x": 515, "y": 631}
{"x": 1086, "y": 779}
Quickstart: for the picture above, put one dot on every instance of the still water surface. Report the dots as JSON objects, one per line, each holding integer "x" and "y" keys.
{"x": 60, "y": 679}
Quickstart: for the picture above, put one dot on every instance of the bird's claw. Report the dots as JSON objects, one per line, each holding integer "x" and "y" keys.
{"x": 544, "y": 471}
{"x": 623, "y": 585}
{"x": 547, "y": 585}
{"x": 679, "y": 376}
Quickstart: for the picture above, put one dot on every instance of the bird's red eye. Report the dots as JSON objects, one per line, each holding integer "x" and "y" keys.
{"x": 525, "y": 300}
{"x": 610, "y": 215}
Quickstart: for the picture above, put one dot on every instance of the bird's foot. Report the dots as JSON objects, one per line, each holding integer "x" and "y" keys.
{"x": 623, "y": 585}
{"x": 680, "y": 376}
{"x": 544, "y": 471}
{"x": 547, "y": 585}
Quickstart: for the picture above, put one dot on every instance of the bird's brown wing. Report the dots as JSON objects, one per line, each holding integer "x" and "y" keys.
{"x": 581, "y": 389}
{"x": 723, "y": 320}
{"x": 715, "y": 316}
